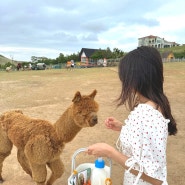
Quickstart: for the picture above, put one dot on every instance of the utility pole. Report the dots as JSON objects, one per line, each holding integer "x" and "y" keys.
{"x": 11, "y": 56}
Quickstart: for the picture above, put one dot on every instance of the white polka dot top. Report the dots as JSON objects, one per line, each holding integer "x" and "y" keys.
{"x": 143, "y": 138}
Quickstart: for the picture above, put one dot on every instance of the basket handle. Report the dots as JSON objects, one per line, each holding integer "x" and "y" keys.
{"x": 74, "y": 157}
{"x": 83, "y": 150}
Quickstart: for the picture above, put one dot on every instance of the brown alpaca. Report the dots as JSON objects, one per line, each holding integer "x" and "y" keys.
{"x": 40, "y": 143}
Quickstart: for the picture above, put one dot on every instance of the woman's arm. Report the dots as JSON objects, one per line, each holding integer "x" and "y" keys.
{"x": 105, "y": 150}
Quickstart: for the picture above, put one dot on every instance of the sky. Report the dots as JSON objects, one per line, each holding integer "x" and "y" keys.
{"x": 46, "y": 28}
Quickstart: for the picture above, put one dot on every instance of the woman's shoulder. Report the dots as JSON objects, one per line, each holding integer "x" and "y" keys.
{"x": 147, "y": 110}
{"x": 145, "y": 113}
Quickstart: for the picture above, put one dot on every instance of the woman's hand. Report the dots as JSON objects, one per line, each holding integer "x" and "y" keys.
{"x": 100, "y": 150}
{"x": 112, "y": 123}
{"x": 105, "y": 150}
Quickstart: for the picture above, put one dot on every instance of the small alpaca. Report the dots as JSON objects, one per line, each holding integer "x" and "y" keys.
{"x": 8, "y": 68}
{"x": 40, "y": 143}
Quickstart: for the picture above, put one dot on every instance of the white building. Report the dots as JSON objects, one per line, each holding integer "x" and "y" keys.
{"x": 156, "y": 42}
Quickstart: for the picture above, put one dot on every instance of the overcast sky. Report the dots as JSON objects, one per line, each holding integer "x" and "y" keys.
{"x": 50, "y": 27}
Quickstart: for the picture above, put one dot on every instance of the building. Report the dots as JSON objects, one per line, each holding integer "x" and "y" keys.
{"x": 86, "y": 60}
{"x": 85, "y": 55}
{"x": 155, "y": 41}
{"x": 167, "y": 56}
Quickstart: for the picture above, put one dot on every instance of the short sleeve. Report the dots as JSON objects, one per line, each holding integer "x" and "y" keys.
{"x": 148, "y": 131}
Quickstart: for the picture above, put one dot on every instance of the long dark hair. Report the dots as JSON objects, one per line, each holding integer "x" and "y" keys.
{"x": 141, "y": 71}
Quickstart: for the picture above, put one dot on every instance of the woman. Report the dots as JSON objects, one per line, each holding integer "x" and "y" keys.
{"x": 143, "y": 138}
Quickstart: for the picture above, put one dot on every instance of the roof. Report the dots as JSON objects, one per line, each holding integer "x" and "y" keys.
{"x": 174, "y": 43}
{"x": 166, "y": 54}
{"x": 150, "y": 36}
{"x": 88, "y": 52}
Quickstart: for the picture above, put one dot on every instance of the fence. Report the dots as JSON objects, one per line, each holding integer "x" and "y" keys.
{"x": 115, "y": 62}
{"x": 174, "y": 60}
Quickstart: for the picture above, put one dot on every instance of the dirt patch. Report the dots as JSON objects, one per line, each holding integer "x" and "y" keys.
{"x": 46, "y": 94}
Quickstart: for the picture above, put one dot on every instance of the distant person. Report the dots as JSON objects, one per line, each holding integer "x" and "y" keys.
{"x": 72, "y": 64}
{"x": 18, "y": 66}
{"x": 68, "y": 65}
{"x": 29, "y": 66}
{"x": 143, "y": 136}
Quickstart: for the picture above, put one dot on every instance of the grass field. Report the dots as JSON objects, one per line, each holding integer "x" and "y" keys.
{"x": 46, "y": 94}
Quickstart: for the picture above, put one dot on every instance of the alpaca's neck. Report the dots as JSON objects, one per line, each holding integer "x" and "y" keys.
{"x": 65, "y": 126}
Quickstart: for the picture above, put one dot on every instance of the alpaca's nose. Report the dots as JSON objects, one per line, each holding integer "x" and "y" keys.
{"x": 95, "y": 119}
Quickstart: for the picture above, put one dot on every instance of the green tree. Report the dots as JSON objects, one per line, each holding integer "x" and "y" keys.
{"x": 179, "y": 54}
{"x": 99, "y": 54}
{"x": 60, "y": 59}
{"x": 73, "y": 56}
{"x": 8, "y": 64}
{"x": 108, "y": 53}
{"x": 117, "y": 53}
{"x": 49, "y": 61}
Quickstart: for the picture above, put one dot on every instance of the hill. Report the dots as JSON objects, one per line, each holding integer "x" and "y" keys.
{"x": 4, "y": 60}
{"x": 177, "y": 49}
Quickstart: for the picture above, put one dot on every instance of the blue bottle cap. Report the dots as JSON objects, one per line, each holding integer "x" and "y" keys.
{"x": 99, "y": 163}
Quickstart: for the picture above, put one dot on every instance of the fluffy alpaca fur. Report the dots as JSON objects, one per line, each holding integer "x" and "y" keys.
{"x": 40, "y": 143}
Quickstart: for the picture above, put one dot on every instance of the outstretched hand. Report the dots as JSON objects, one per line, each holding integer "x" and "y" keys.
{"x": 100, "y": 150}
{"x": 112, "y": 123}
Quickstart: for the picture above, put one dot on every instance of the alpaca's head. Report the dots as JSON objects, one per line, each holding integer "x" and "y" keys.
{"x": 85, "y": 109}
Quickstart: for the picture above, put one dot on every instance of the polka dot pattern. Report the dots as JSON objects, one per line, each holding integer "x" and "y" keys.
{"x": 144, "y": 139}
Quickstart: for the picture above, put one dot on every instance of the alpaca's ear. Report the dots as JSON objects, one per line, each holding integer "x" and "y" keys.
{"x": 93, "y": 94}
{"x": 77, "y": 97}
